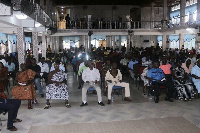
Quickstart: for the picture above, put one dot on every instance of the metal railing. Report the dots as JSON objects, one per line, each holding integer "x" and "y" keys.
{"x": 108, "y": 24}
{"x": 34, "y": 10}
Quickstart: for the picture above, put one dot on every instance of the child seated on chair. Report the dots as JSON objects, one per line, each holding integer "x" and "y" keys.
{"x": 114, "y": 77}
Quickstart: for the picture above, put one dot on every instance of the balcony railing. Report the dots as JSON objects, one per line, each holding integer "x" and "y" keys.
{"x": 107, "y": 24}
{"x": 32, "y": 9}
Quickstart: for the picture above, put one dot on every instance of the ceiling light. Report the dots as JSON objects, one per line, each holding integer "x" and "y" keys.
{"x": 21, "y": 16}
{"x": 37, "y": 24}
{"x": 62, "y": 13}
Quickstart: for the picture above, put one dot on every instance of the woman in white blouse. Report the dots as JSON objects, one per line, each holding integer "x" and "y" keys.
{"x": 114, "y": 77}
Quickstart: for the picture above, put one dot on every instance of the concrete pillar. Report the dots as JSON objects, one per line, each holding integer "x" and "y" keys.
{"x": 48, "y": 40}
{"x": 128, "y": 43}
{"x": 57, "y": 44}
{"x": 182, "y": 12}
{"x": 112, "y": 41}
{"x": 35, "y": 45}
{"x": 86, "y": 43}
{"x": 89, "y": 44}
{"x": 181, "y": 40}
{"x": 44, "y": 45}
{"x": 108, "y": 41}
{"x": 198, "y": 10}
{"x": 120, "y": 41}
{"x": 51, "y": 42}
{"x": 20, "y": 45}
{"x": 164, "y": 39}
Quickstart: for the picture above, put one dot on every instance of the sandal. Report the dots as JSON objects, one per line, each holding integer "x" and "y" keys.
{"x": 127, "y": 99}
{"x": 30, "y": 107}
{"x": 68, "y": 105}
{"x": 13, "y": 128}
{"x": 17, "y": 120}
{"x": 47, "y": 106}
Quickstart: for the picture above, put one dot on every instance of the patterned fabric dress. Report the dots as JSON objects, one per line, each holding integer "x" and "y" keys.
{"x": 57, "y": 92}
{"x": 23, "y": 91}
{"x": 184, "y": 89}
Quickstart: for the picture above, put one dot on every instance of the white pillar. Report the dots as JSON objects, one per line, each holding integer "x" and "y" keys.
{"x": 86, "y": 43}
{"x": 181, "y": 40}
{"x": 35, "y": 45}
{"x": 128, "y": 43}
{"x": 198, "y": 10}
{"x": 164, "y": 39}
{"x": 57, "y": 44}
{"x": 48, "y": 41}
{"x": 20, "y": 45}
{"x": 120, "y": 42}
{"x": 108, "y": 41}
{"x": 44, "y": 45}
{"x": 89, "y": 44}
{"x": 182, "y": 12}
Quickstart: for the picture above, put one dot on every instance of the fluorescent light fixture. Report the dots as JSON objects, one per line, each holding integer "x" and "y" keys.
{"x": 21, "y": 16}
{"x": 37, "y": 24}
{"x": 189, "y": 29}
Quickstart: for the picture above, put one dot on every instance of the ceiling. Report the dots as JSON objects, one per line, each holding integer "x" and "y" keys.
{"x": 115, "y": 2}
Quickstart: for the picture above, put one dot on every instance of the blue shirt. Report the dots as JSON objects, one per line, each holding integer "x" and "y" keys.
{"x": 10, "y": 67}
{"x": 131, "y": 63}
{"x": 196, "y": 71}
{"x": 156, "y": 74}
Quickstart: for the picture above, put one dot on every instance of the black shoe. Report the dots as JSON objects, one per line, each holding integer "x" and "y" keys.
{"x": 42, "y": 95}
{"x": 83, "y": 104}
{"x": 79, "y": 87}
{"x": 171, "y": 100}
{"x": 166, "y": 99}
{"x": 156, "y": 99}
{"x": 102, "y": 104}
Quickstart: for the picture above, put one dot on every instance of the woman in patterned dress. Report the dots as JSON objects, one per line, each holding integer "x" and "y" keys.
{"x": 24, "y": 90}
{"x": 57, "y": 87}
{"x": 183, "y": 86}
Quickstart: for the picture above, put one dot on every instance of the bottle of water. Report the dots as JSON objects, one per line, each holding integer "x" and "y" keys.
{"x": 112, "y": 99}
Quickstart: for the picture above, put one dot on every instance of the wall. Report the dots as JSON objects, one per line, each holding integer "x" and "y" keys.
{"x": 147, "y": 16}
{"x": 101, "y": 11}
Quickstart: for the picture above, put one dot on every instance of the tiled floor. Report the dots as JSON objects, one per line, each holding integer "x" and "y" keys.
{"x": 156, "y": 125}
{"x": 140, "y": 109}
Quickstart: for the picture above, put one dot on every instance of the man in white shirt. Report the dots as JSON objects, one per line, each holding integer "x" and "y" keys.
{"x": 91, "y": 77}
{"x": 44, "y": 69}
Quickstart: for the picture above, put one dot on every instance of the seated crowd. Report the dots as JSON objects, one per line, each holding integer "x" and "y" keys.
{"x": 178, "y": 71}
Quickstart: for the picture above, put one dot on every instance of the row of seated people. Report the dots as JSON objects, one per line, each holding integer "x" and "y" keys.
{"x": 179, "y": 77}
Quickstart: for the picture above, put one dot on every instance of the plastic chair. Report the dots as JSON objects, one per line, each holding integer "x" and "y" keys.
{"x": 141, "y": 71}
{"x": 120, "y": 88}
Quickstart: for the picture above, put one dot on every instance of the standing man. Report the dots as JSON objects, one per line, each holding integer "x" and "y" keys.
{"x": 44, "y": 69}
{"x": 91, "y": 77}
{"x": 67, "y": 18}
